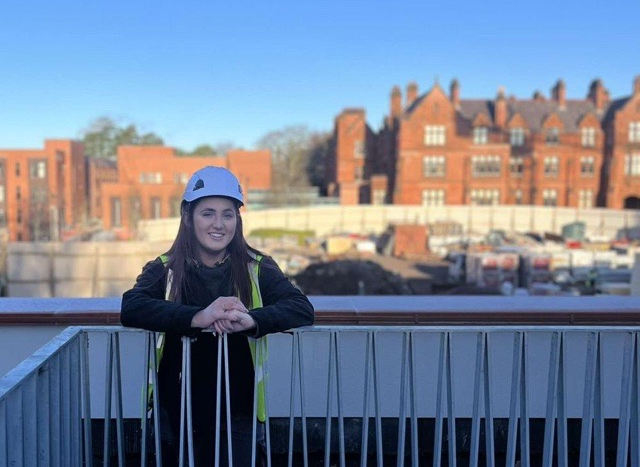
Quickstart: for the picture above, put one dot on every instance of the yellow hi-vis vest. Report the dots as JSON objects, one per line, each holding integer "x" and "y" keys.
{"x": 258, "y": 347}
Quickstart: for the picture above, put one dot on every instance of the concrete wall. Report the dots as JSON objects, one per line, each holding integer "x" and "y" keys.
{"x": 374, "y": 219}
{"x": 76, "y": 269}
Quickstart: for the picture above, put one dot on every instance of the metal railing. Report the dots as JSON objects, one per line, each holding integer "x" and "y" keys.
{"x": 372, "y": 374}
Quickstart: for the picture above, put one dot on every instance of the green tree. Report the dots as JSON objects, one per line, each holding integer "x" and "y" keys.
{"x": 103, "y": 136}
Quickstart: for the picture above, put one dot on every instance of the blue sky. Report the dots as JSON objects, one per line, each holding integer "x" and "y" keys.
{"x": 211, "y": 71}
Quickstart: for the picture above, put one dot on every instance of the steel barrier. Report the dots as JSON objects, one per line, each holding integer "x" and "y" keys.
{"x": 590, "y": 372}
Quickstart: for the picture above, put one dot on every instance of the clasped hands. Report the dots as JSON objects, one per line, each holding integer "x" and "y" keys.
{"x": 224, "y": 314}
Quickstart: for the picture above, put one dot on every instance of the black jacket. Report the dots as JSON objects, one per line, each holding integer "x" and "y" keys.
{"x": 144, "y": 306}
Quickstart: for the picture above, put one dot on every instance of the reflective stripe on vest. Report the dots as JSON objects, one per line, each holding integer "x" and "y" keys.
{"x": 254, "y": 344}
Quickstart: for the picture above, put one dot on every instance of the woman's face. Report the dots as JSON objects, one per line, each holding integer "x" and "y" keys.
{"x": 214, "y": 225}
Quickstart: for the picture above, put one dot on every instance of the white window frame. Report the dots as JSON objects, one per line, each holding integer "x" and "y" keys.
{"x": 480, "y": 135}
{"x": 587, "y": 166}
{"x": 434, "y": 166}
{"x": 588, "y": 137}
{"x": 516, "y": 136}
{"x": 358, "y": 149}
{"x": 585, "y": 199}
{"x": 516, "y": 162}
{"x": 433, "y": 197}
{"x": 634, "y": 132}
{"x": 552, "y": 136}
{"x": 551, "y": 166}
{"x": 486, "y": 166}
{"x": 435, "y": 135}
{"x": 632, "y": 165}
{"x": 550, "y": 197}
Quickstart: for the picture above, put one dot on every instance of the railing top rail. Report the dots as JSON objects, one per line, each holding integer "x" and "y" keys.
{"x": 369, "y": 310}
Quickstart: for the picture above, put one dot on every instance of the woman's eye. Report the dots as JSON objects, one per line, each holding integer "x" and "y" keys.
{"x": 228, "y": 216}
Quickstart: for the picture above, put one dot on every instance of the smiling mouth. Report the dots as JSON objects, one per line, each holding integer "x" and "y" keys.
{"x": 216, "y": 236}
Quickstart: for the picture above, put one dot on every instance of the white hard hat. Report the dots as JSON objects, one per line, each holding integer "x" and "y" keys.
{"x": 213, "y": 181}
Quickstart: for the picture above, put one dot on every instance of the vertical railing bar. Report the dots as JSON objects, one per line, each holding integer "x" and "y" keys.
{"x": 339, "y": 400}
{"x": 265, "y": 377}
{"x": 183, "y": 401}
{"x": 635, "y": 410}
{"x": 254, "y": 421}
{"x": 118, "y": 383}
{"x": 488, "y": 412}
{"x": 474, "y": 453}
{"x": 451, "y": 412}
{"x": 66, "y": 404}
{"x": 622, "y": 449}
{"x": 563, "y": 439}
{"x": 28, "y": 405}
{"x": 587, "y": 403}
{"x": 4, "y": 442}
{"x": 189, "y": 400}
{"x": 552, "y": 390}
{"x": 598, "y": 428}
{"x": 515, "y": 393}
{"x": 525, "y": 442}
{"x": 227, "y": 395}
{"x": 107, "y": 402}
{"x": 403, "y": 402}
{"x": 364, "y": 445}
{"x": 44, "y": 418}
{"x": 76, "y": 397}
{"x": 303, "y": 412}
{"x": 437, "y": 440}
{"x": 86, "y": 399}
{"x": 55, "y": 415}
{"x": 294, "y": 367}
{"x": 218, "y": 398}
{"x": 156, "y": 398}
{"x": 376, "y": 401}
{"x": 414, "y": 409}
{"x": 145, "y": 399}
{"x": 327, "y": 433}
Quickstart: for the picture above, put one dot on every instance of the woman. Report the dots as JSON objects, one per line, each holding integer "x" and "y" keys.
{"x": 211, "y": 279}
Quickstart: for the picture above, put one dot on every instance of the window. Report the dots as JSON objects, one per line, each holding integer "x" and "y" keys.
{"x": 156, "y": 211}
{"x": 516, "y": 166}
{"x": 634, "y": 132}
{"x": 585, "y": 198}
{"x": 632, "y": 165}
{"x": 518, "y": 196}
{"x": 588, "y": 137}
{"x": 39, "y": 196}
{"x": 358, "y": 172}
{"x": 17, "y": 169}
{"x": 150, "y": 177}
{"x": 174, "y": 206}
{"x": 181, "y": 178}
{"x": 552, "y": 136}
{"x": 378, "y": 196}
{"x": 19, "y": 216}
{"x": 433, "y": 166}
{"x": 3, "y": 218}
{"x": 358, "y": 150}
{"x": 116, "y": 212}
{"x": 516, "y": 136}
{"x": 435, "y": 135}
{"x": 485, "y": 166}
{"x": 18, "y": 193}
{"x": 1, "y": 171}
{"x": 480, "y": 135}
{"x": 433, "y": 197}
{"x": 587, "y": 166}
{"x": 551, "y": 166}
{"x": 485, "y": 197}
{"x": 550, "y": 197}
{"x": 38, "y": 169}
{"x": 2, "y": 194}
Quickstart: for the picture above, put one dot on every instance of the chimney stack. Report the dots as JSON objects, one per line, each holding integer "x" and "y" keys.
{"x": 636, "y": 86}
{"x": 559, "y": 93}
{"x": 500, "y": 114}
{"x": 455, "y": 93}
{"x": 412, "y": 93}
{"x": 598, "y": 94}
{"x": 396, "y": 102}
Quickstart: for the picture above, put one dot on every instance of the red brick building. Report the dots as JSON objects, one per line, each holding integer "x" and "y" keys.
{"x": 42, "y": 191}
{"x": 149, "y": 181}
{"x": 437, "y": 148}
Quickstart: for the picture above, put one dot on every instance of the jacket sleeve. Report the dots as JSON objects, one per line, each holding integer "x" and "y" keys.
{"x": 144, "y": 306}
{"x": 284, "y": 305}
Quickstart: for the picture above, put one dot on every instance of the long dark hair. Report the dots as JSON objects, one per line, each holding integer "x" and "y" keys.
{"x": 184, "y": 253}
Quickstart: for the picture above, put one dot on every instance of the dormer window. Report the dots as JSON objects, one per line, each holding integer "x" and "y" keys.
{"x": 480, "y": 135}
{"x": 516, "y": 136}
{"x": 588, "y": 137}
{"x": 553, "y": 136}
{"x": 435, "y": 135}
